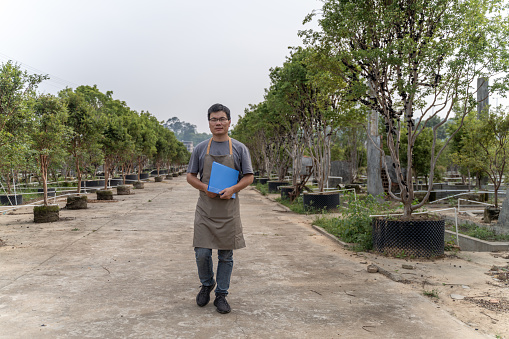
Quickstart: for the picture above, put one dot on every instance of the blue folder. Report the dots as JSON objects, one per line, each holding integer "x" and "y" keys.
{"x": 221, "y": 177}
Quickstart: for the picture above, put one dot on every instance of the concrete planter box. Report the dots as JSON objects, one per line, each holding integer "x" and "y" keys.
{"x": 468, "y": 243}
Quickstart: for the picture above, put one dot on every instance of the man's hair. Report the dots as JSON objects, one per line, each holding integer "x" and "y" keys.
{"x": 218, "y": 108}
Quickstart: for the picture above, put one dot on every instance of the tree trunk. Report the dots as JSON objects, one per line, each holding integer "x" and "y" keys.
{"x": 139, "y": 169}
{"x": 78, "y": 174}
{"x": 44, "y": 173}
{"x": 469, "y": 180}
{"x": 106, "y": 170}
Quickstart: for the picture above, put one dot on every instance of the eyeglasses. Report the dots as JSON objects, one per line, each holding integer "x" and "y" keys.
{"x": 221, "y": 120}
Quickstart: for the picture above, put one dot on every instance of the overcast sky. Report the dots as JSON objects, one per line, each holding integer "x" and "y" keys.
{"x": 171, "y": 58}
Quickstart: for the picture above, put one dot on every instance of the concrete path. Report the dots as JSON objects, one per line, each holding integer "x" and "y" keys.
{"x": 126, "y": 269}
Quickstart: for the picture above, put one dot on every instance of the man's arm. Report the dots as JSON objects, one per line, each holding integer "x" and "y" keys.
{"x": 227, "y": 193}
{"x": 192, "y": 179}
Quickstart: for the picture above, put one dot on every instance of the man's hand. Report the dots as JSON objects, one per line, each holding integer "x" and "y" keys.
{"x": 227, "y": 193}
{"x": 211, "y": 194}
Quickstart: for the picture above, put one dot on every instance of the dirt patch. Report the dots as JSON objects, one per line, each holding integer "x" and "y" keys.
{"x": 414, "y": 217}
{"x": 1, "y": 243}
{"x": 93, "y": 201}
{"x": 495, "y": 305}
{"x": 472, "y": 286}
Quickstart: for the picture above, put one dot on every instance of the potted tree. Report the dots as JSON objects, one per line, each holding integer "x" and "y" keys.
{"x": 48, "y": 134}
{"x": 16, "y": 88}
{"x": 486, "y": 144}
{"x": 83, "y": 122}
{"x": 410, "y": 62}
{"x": 314, "y": 96}
{"x": 162, "y": 149}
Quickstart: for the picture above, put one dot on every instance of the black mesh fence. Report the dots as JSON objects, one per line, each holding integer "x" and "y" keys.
{"x": 423, "y": 238}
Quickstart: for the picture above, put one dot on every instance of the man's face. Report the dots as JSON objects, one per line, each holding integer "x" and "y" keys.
{"x": 218, "y": 127}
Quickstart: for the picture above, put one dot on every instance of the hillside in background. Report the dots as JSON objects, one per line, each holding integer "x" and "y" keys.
{"x": 185, "y": 131}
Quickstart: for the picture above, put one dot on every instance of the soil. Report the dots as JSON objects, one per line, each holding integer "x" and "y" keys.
{"x": 415, "y": 217}
{"x": 100, "y": 201}
{"x": 471, "y": 286}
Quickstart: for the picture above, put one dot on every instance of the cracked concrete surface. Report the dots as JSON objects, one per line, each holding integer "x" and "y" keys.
{"x": 126, "y": 269}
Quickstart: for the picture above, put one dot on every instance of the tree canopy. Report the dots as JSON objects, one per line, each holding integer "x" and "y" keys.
{"x": 411, "y": 61}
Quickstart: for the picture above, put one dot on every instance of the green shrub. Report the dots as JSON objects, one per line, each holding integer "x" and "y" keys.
{"x": 354, "y": 226}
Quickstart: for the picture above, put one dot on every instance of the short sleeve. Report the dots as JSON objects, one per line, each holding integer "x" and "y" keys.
{"x": 194, "y": 162}
{"x": 247, "y": 167}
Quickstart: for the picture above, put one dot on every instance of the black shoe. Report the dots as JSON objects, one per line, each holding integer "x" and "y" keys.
{"x": 222, "y": 304}
{"x": 203, "y": 296}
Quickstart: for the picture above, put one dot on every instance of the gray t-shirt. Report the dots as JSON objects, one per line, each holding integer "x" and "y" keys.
{"x": 240, "y": 155}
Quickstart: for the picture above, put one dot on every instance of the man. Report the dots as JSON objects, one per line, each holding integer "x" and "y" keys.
{"x": 217, "y": 222}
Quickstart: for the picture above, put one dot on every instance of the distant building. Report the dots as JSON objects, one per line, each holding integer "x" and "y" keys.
{"x": 189, "y": 145}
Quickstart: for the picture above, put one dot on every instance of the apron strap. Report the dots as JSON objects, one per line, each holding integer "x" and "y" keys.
{"x": 229, "y": 141}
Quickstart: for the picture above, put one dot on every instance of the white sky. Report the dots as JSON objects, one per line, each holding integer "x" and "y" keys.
{"x": 171, "y": 58}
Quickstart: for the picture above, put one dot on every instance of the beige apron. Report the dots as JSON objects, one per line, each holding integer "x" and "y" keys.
{"x": 217, "y": 222}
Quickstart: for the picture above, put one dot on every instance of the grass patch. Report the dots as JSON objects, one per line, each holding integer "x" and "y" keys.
{"x": 262, "y": 188}
{"x": 297, "y": 206}
{"x": 476, "y": 231}
{"x": 431, "y": 294}
{"x": 354, "y": 226}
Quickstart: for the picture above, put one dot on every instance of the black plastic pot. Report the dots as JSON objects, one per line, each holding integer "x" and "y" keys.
{"x": 13, "y": 199}
{"x": 321, "y": 201}
{"x": 144, "y": 176}
{"x": 285, "y": 192}
{"x": 263, "y": 181}
{"x": 162, "y": 171}
{"x": 92, "y": 183}
{"x": 274, "y": 185}
{"x": 115, "y": 182}
{"x": 410, "y": 238}
{"x": 51, "y": 191}
{"x": 131, "y": 177}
